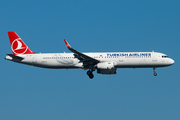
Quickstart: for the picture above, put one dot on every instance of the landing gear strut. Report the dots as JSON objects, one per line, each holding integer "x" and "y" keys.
{"x": 154, "y": 69}
{"x": 89, "y": 73}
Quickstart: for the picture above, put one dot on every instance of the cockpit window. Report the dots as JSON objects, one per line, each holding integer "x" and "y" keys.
{"x": 164, "y": 56}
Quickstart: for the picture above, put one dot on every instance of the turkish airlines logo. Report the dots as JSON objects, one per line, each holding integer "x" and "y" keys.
{"x": 18, "y": 47}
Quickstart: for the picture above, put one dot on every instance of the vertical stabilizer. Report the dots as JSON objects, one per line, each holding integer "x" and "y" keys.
{"x": 17, "y": 45}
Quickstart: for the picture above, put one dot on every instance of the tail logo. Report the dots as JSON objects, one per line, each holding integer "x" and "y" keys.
{"x": 18, "y": 47}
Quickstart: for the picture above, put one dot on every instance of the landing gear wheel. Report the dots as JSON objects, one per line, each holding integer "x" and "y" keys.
{"x": 91, "y": 76}
{"x": 154, "y": 69}
{"x": 89, "y": 73}
{"x": 155, "y": 74}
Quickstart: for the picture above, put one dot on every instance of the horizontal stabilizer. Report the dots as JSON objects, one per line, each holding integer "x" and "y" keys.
{"x": 15, "y": 56}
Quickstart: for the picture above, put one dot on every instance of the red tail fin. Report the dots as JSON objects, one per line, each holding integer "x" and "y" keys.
{"x": 17, "y": 45}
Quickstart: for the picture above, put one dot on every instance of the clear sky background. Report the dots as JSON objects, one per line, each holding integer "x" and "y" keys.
{"x": 31, "y": 93}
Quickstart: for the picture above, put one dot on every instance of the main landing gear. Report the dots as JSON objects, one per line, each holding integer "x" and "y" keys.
{"x": 90, "y": 74}
{"x": 154, "y": 69}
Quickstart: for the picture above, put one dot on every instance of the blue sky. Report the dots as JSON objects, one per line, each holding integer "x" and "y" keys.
{"x": 32, "y": 93}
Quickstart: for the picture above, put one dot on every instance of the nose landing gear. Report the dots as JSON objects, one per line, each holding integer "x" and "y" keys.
{"x": 154, "y": 69}
{"x": 90, "y": 74}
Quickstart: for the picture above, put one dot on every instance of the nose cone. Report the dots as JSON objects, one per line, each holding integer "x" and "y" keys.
{"x": 171, "y": 61}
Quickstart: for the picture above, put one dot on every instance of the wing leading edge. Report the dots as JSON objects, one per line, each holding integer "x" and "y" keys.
{"x": 82, "y": 57}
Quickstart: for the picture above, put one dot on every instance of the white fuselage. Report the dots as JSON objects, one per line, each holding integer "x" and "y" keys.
{"x": 120, "y": 59}
{"x": 104, "y": 63}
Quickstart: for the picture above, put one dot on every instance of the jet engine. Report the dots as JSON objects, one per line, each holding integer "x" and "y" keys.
{"x": 106, "y": 68}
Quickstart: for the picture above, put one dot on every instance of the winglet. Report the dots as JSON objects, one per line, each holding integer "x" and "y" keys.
{"x": 67, "y": 44}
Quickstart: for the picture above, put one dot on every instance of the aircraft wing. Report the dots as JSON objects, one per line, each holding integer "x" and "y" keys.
{"x": 82, "y": 57}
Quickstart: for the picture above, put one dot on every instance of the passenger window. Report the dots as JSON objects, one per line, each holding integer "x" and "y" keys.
{"x": 164, "y": 56}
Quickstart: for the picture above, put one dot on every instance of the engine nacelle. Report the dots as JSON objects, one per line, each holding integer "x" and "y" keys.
{"x": 106, "y": 68}
{"x": 105, "y": 65}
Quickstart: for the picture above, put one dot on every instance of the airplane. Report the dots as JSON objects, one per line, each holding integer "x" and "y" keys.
{"x": 103, "y": 62}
